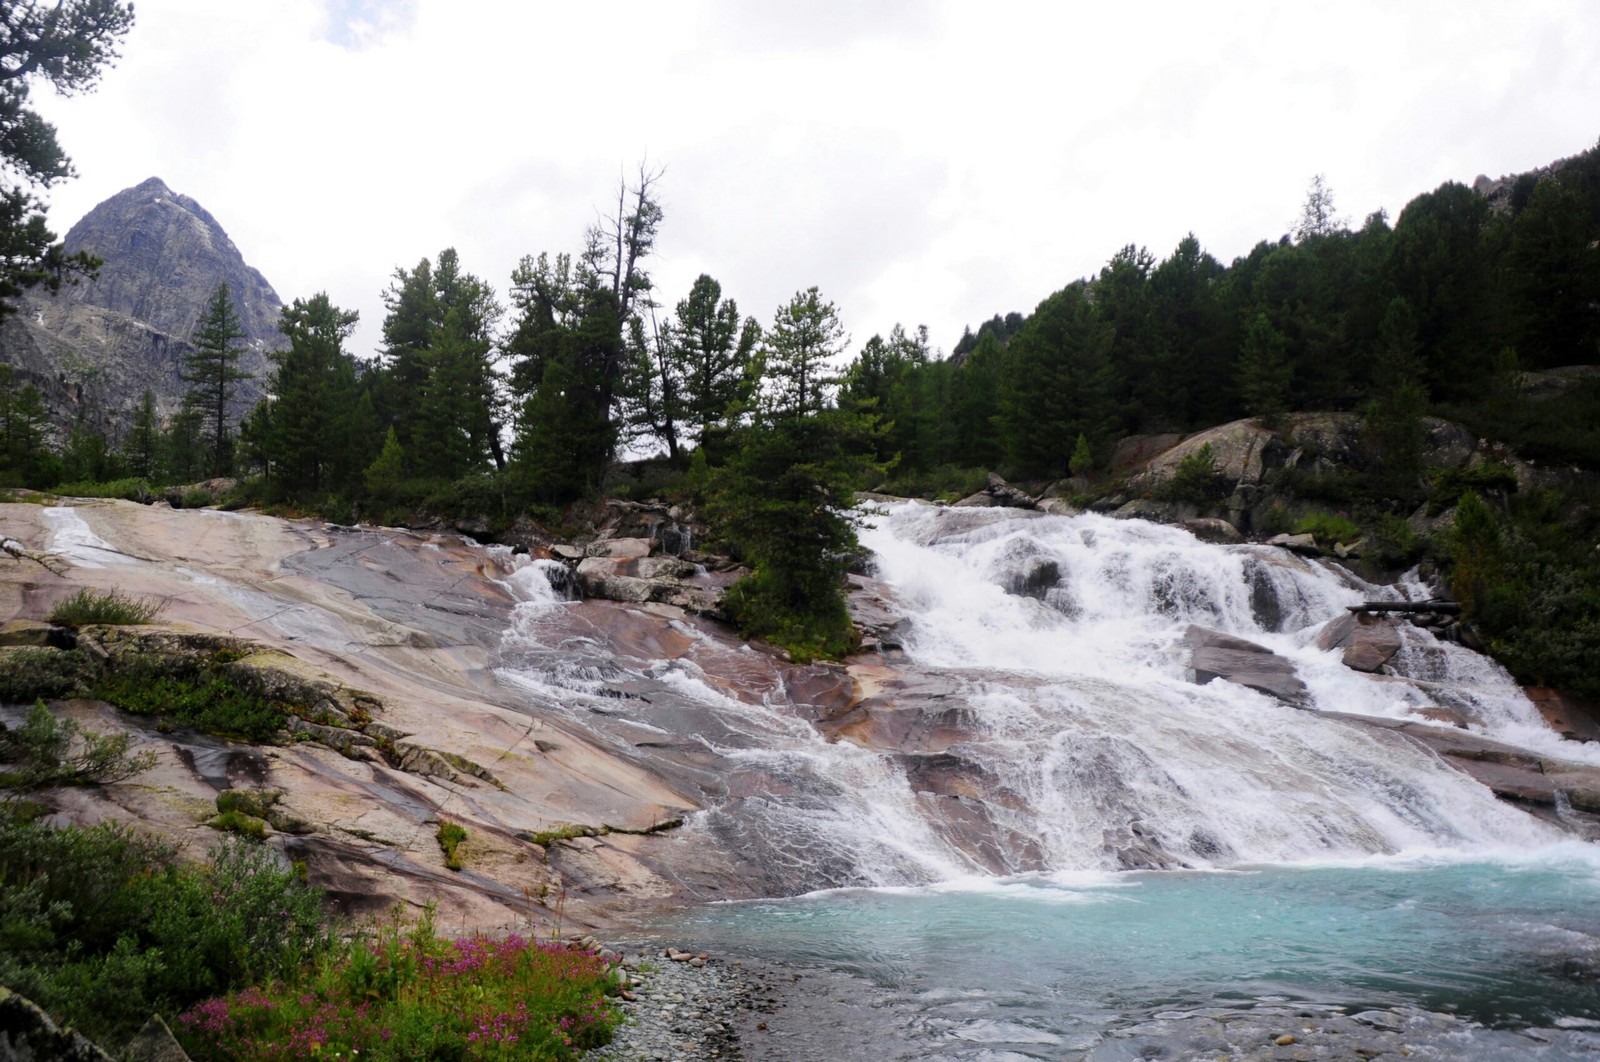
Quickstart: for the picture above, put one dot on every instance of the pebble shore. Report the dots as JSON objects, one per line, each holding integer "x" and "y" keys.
{"x": 684, "y": 1007}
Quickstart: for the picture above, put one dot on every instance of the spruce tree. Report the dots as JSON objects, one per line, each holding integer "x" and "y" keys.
{"x": 211, "y": 370}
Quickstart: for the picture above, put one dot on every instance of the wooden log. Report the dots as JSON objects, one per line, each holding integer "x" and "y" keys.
{"x": 1447, "y": 608}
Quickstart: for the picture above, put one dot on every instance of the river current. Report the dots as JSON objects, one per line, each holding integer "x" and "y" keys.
{"x": 1115, "y": 856}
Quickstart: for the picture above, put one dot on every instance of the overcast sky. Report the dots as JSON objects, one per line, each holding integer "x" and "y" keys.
{"x": 920, "y": 162}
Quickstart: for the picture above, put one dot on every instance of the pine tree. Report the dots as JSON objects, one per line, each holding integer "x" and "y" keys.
{"x": 211, "y": 370}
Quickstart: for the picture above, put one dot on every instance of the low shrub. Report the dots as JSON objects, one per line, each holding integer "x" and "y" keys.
{"x": 1449, "y": 484}
{"x": 89, "y": 607}
{"x": 1329, "y": 528}
{"x": 45, "y": 751}
{"x": 197, "y": 498}
{"x": 1197, "y": 481}
{"x": 450, "y": 836}
{"x": 103, "y": 926}
{"x": 237, "y": 822}
{"x": 203, "y": 696}
{"x": 28, "y": 674}
{"x": 407, "y": 994}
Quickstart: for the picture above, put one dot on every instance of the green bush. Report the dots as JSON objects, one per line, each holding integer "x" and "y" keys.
{"x": 45, "y": 751}
{"x": 102, "y": 926}
{"x": 1329, "y": 529}
{"x": 945, "y": 483}
{"x": 1449, "y": 484}
{"x": 90, "y": 607}
{"x": 1394, "y": 543}
{"x": 28, "y": 675}
{"x": 197, "y": 498}
{"x": 237, "y": 822}
{"x": 1197, "y": 481}
{"x": 203, "y": 697}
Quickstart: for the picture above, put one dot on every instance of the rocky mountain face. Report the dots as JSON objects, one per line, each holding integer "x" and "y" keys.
{"x": 96, "y": 347}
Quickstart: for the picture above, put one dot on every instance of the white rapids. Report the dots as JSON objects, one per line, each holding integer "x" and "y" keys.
{"x": 1058, "y": 644}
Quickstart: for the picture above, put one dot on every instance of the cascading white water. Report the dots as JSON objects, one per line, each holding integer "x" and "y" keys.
{"x": 1058, "y": 644}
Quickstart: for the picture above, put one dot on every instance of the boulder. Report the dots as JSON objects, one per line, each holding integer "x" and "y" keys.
{"x": 1214, "y": 655}
{"x": 28, "y": 1035}
{"x": 1305, "y": 544}
{"x": 1369, "y": 641}
{"x": 619, "y": 548}
{"x": 1213, "y": 529}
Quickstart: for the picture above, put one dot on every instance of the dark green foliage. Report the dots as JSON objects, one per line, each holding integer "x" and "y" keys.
{"x": 1450, "y": 484}
{"x": 211, "y": 370}
{"x": 1264, "y": 371}
{"x": 313, "y": 435}
{"x": 805, "y": 336}
{"x": 27, "y": 675}
{"x": 1054, "y": 385}
{"x": 103, "y": 927}
{"x": 141, "y": 450}
{"x": 1393, "y": 543}
{"x": 1529, "y": 580}
{"x": 25, "y": 457}
{"x": 786, "y": 501}
{"x": 440, "y": 388}
{"x": 45, "y": 751}
{"x": 1196, "y": 481}
{"x": 201, "y": 695}
{"x": 104, "y": 606}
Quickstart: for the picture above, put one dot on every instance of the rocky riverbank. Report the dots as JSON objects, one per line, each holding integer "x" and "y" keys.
{"x": 757, "y": 1011}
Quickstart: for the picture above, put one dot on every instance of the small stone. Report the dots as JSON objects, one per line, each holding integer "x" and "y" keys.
{"x": 1284, "y": 1041}
{"x": 697, "y": 962}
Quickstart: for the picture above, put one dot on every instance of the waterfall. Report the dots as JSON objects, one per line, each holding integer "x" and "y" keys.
{"x": 1049, "y": 720}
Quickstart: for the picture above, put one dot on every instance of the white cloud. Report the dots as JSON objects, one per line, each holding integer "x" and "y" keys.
{"x": 920, "y": 162}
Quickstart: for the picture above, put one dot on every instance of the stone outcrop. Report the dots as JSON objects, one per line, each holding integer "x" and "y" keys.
{"x": 999, "y": 493}
{"x": 1369, "y": 641}
{"x": 1258, "y": 464}
{"x": 1214, "y": 655}
{"x": 98, "y": 345}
